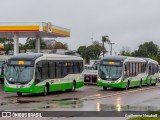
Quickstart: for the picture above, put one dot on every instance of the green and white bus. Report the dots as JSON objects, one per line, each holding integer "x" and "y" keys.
{"x": 152, "y": 71}
{"x": 3, "y": 59}
{"x": 43, "y": 73}
{"x": 126, "y": 72}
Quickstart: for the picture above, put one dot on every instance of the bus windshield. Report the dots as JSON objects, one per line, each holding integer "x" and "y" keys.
{"x": 107, "y": 72}
{"x": 19, "y": 74}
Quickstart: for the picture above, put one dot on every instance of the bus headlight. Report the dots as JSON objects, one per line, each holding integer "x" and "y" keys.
{"x": 98, "y": 79}
{"x": 6, "y": 84}
{"x": 118, "y": 81}
{"x": 28, "y": 85}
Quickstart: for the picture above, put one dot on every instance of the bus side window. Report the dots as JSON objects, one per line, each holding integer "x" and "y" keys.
{"x": 80, "y": 67}
{"x": 70, "y": 67}
{"x": 65, "y": 69}
{"x": 55, "y": 69}
{"x": 134, "y": 69}
{"x": 51, "y": 70}
{"x": 139, "y": 68}
{"x": 131, "y": 70}
{"x": 58, "y": 70}
{"x": 75, "y": 67}
{"x": 153, "y": 69}
{"x": 150, "y": 70}
{"x": 126, "y": 70}
{"x": 44, "y": 70}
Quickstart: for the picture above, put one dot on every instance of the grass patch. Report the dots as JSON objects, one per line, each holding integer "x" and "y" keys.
{"x": 155, "y": 112}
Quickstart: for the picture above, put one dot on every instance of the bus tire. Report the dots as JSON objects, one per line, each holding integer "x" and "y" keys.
{"x": 127, "y": 86}
{"x": 19, "y": 93}
{"x": 1, "y": 80}
{"x": 46, "y": 90}
{"x": 104, "y": 88}
{"x": 155, "y": 82}
{"x": 73, "y": 86}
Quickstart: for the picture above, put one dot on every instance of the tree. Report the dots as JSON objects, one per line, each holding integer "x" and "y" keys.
{"x": 8, "y": 44}
{"x": 94, "y": 51}
{"x": 2, "y": 40}
{"x": 82, "y": 50}
{"x": 126, "y": 51}
{"x": 104, "y": 39}
{"x": 59, "y": 45}
{"x": 30, "y": 43}
{"x": 53, "y": 44}
{"x": 91, "y": 52}
{"x": 147, "y": 49}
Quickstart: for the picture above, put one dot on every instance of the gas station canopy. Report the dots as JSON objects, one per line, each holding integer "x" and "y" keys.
{"x": 37, "y": 29}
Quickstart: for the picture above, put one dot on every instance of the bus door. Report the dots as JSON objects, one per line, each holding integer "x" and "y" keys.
{"x": 149, "y": 70}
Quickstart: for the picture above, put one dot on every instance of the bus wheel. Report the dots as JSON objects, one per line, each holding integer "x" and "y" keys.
{"x": 45, "y": 90}
{"x": 127, "y": 86}
{"x": 104, "y": 88}
{"x": 155, "y": 82}
{"x": 73, "y": 86}
{"x": 1, "y": 80}
{"x": 19, "y": 93}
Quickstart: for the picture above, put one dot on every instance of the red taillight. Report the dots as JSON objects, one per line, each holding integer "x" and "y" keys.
{"x": 87, "y": 78}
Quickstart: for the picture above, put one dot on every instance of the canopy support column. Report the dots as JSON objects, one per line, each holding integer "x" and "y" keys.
{"x": 37, "y": 46}
{"x": 16, "y": 43}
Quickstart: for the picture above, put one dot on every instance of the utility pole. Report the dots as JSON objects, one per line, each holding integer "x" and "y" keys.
{"x": 92, "y": 38}
{"x": 111, "y": 47}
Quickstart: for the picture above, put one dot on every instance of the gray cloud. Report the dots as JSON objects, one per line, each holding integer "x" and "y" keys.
{"x": 127, "y": 22}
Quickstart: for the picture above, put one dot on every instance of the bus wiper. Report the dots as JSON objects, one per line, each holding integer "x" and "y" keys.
{"x": 22, "y": 69}
{"x": 16, "y": 74}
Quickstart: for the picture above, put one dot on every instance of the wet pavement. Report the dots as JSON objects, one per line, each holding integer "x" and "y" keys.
{"x": 87, "y": 98}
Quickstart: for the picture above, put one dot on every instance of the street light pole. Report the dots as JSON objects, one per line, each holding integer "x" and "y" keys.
{"x": 111, "y": 47}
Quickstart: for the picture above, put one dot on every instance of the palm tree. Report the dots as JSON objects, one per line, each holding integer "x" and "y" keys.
{"x": 105, "y": 39}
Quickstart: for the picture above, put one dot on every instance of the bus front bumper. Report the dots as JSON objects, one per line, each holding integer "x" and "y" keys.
{"x": 21, "y": 89}
{"x": 112, "y": 85}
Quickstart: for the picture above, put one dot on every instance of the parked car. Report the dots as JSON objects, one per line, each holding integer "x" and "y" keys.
{"x": 90, "y": 73}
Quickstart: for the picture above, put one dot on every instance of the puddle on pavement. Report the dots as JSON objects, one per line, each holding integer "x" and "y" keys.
{"x": 118, "y": 107}
{"x": 26, "y": 101}
{"x": 64, "y": 103}
{"x": 3, "y": 103}
{"x": 6, "y": 102}
{"x": 67, "y": 99}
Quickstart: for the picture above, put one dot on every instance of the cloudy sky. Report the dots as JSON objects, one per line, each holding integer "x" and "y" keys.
{"x": 128, "y": 23}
